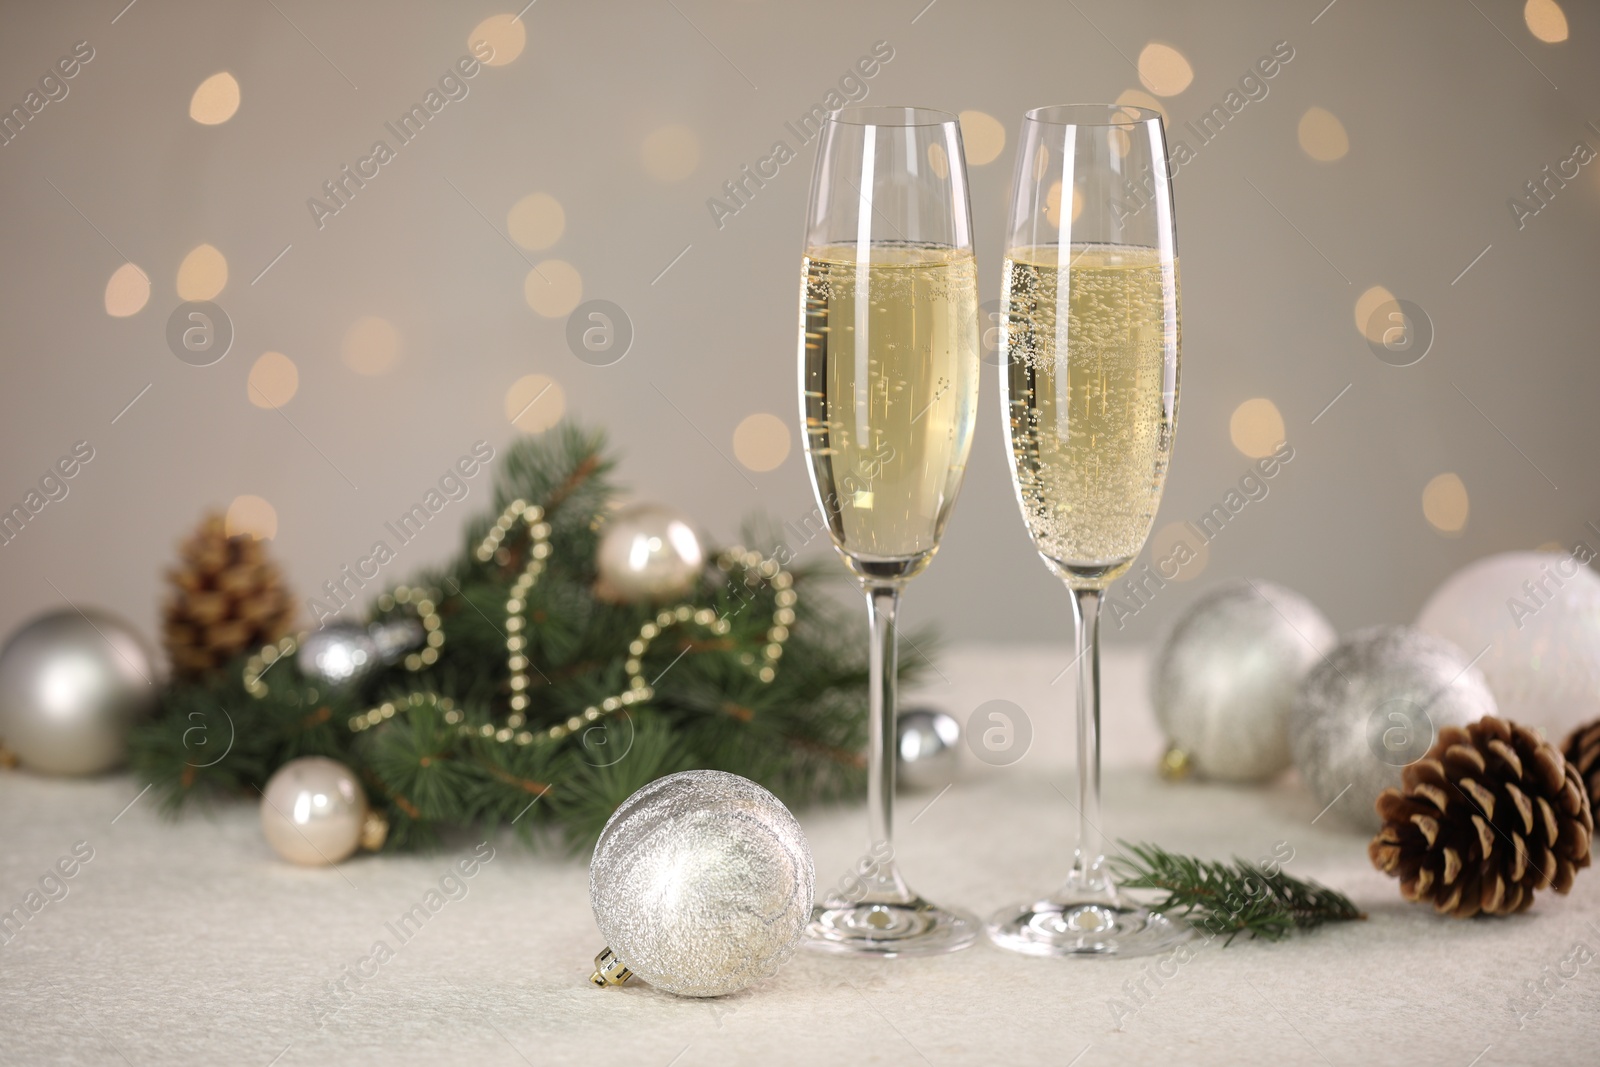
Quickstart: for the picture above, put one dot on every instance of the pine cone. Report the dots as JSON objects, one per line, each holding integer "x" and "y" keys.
{"x": 1582, "y": 749}
{"x": 1491, "y": 814}
{"x": 227, "y": 598}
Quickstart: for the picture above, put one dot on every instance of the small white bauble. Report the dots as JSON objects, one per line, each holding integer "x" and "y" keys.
{"x": 71, "y": 686}
{"x": 1226, "y": 678}
{"x": 648, "y": 553}
{"x": 313, "y": 811}
{"x": 1536, "y": 618}
{"x": 701, "y": 884}
{"x": 1373, "y": 706}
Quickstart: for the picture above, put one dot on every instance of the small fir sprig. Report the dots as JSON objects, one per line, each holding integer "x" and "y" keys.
{"x": 1231, "y": 898}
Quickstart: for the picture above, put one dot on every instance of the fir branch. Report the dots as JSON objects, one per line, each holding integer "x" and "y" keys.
{"x": 799, "y": 735}
{"x": 1230, "y": 898}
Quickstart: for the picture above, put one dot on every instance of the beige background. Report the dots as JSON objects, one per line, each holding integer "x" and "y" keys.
{"x": 1445, "y": 121}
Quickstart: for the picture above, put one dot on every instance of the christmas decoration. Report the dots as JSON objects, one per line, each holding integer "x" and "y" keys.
{"x": 1535, "y": 619}
{"x": 648, "y": 553}
{"x": 314, "y": 812}
{"x": 338, "y": 654}
{"x": 926, "y": 743}
{"x": 528, "y": 700}
{"x": 227, "y": 597}
{"x": 343, "y": 654}
{"x": 1374, "y": 705}
{"x": 701, "y": 884}
{"x": 1582, "y": 750}
{"x": 1492, "y": 815}
{"x": 1235, "y": 898}
{"x": 72, "y": 684}
{"x": 1225, "y": 679}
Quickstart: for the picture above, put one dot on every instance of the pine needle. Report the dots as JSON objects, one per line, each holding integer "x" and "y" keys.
{"x": 1230, "y": 898}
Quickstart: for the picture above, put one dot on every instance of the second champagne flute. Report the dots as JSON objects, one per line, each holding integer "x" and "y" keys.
{"x": 1089, "y": 379}
{"x": 889, "y": 385}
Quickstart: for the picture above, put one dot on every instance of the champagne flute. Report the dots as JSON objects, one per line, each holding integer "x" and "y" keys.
{"x": 1089, "y": 384}
{"x": 888, "y": 391}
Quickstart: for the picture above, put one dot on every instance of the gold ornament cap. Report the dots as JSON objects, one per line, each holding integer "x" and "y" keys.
{"x": 374, "y": 830}
{"x": 608, "y": 970}
{"x": 1175, "y": 765}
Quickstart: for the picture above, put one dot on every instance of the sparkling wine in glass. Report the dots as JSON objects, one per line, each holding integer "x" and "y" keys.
{"x": 888, "y": 390}
{"x": 1089, "y": 384}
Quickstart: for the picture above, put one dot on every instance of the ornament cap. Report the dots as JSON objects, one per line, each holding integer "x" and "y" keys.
{"x": 1175, "y": 765}
{"x": 374, "y": 830}
{"x": 608, "y": 970}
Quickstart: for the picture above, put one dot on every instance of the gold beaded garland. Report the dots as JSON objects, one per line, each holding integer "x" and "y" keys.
{"x": 424, "y": 602}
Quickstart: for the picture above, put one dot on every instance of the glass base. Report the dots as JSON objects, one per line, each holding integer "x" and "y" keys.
{"x": 888, "y": 928}
{"x": 1085, "y": 927}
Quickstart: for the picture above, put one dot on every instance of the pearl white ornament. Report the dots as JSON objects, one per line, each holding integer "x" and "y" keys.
{"x": 313, "y": 810}
{"x": 71, "y": 685}
{"x": 1226, "y": 678}
{"x": 1537, "y": 615}
{"x": 701, "y": 884}
{"x": 647, "y": 553}
{"x": 1373, "y": 706}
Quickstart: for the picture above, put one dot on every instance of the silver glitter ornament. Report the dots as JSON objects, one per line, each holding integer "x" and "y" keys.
{"x": 701, "y": 884}
{"x": 1372, "y": 707}
{"x": 342, "y": 654}
{"x": 313, "y": 811}
{"x": 1225, "y": 679}
{"x": 926, "y": 743}
{"x": 1535, "y": 616}
{"x": 648, "y": 553}
{"x": 71, "y": 684}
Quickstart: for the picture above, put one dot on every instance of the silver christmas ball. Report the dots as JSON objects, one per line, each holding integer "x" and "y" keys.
{"x": 647, "y": 553}
{"x": 313, "y": 810}
{"x": 1225, "y": 679}
{"x": 71, "y": 685}
{"x": 338, "y": 655}
{"x": 701, "y": 883}
{"x": 395, "y": 637}
{"x": 1372, "y": 707}
{"x": 1536, "y": 618}
{"x": 926, "y": 743}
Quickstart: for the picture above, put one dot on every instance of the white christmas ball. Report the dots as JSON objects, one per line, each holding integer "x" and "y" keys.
{"x": 1536, "y": 618}
{"x": 647, "y": 553}
{"x": 701, "y": 883}
{"x": 1226, "y": 677}
{"x": 1373, "y": 706}
{"x": 72, "y": 684}
{"x": 312, "y": 811}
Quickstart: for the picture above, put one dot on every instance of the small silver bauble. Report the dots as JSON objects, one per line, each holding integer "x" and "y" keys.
{"x": 1372, "y": 707}
{"x": 313, "y": 811}
{"x": 71, "y": 685}
{"x": 926, "y": 743}
{"x": 395, "y": 637}
{"x": 343, "y": 654}
{"x": 1535, "y": 616}
{"x": 337, "y": 655}
{"x": 647, "y": 553}
{"x": 701, "y": 884}
{"x": 1226, "y": 678}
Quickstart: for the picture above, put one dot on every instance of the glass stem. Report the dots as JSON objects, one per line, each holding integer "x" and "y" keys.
{"x": 1089, "y": 861}
{"x": 879, "y": 867}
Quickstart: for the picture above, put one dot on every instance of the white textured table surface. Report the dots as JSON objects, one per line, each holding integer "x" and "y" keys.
{"x": 191, "y": 943}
